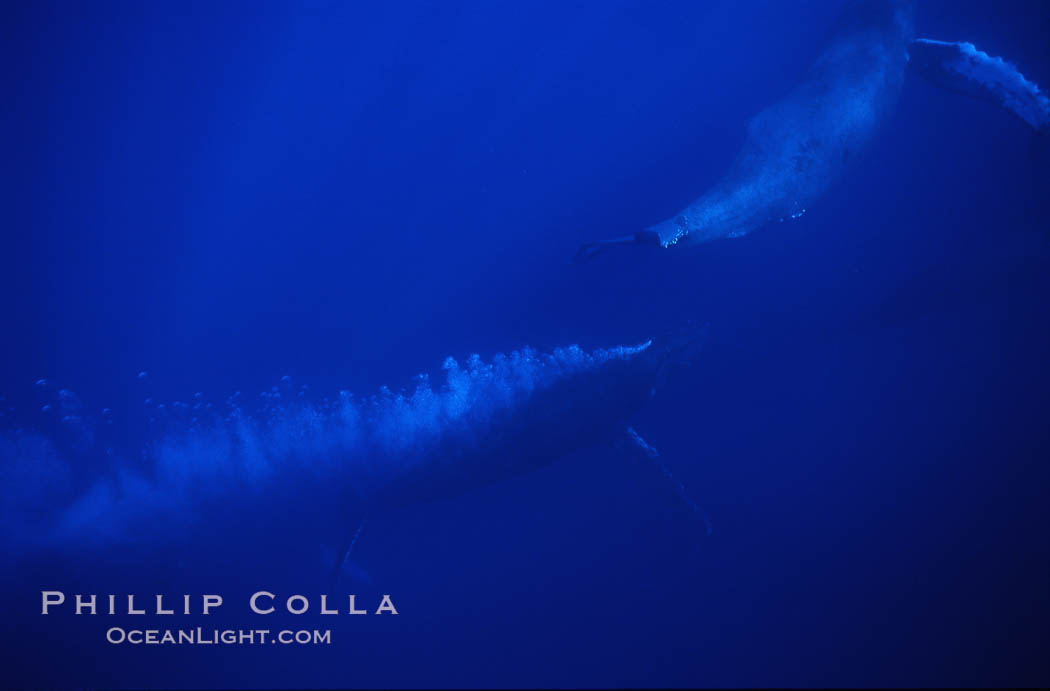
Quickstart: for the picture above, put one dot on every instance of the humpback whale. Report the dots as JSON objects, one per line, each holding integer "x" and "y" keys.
{"x": 328, "y": 465}
{"x": 575, "y": 402}
{"x": 795, "y": 149}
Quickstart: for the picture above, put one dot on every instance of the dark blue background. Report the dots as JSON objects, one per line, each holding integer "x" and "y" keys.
{"x": 347, "y": 193}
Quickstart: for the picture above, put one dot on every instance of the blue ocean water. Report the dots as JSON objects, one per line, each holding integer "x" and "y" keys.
{"x": 230, "y": 227}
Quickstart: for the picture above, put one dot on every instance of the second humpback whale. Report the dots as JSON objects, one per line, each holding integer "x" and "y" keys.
{"x": 797, "y": 148}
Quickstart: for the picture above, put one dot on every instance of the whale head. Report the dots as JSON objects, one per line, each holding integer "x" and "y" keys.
{"x": 675, "y": 350}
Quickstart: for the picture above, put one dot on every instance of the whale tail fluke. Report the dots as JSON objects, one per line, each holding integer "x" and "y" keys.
{"x": 590, "y": 250}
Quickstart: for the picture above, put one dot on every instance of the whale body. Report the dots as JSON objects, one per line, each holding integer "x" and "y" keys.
{"x": 571, "y": 401}
{"x": 796, "y": 148}
{"x": 328, "y": 464}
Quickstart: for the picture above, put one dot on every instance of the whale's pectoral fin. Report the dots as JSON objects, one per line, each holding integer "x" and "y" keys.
{"x": 343, "y": 553}
{"x": 647, "y": 237}
{"x": 643, "y": 447}
{"x": 959, "y": 66}
{"x": 591, "y": 250}
{"x": 649, "y": 453}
